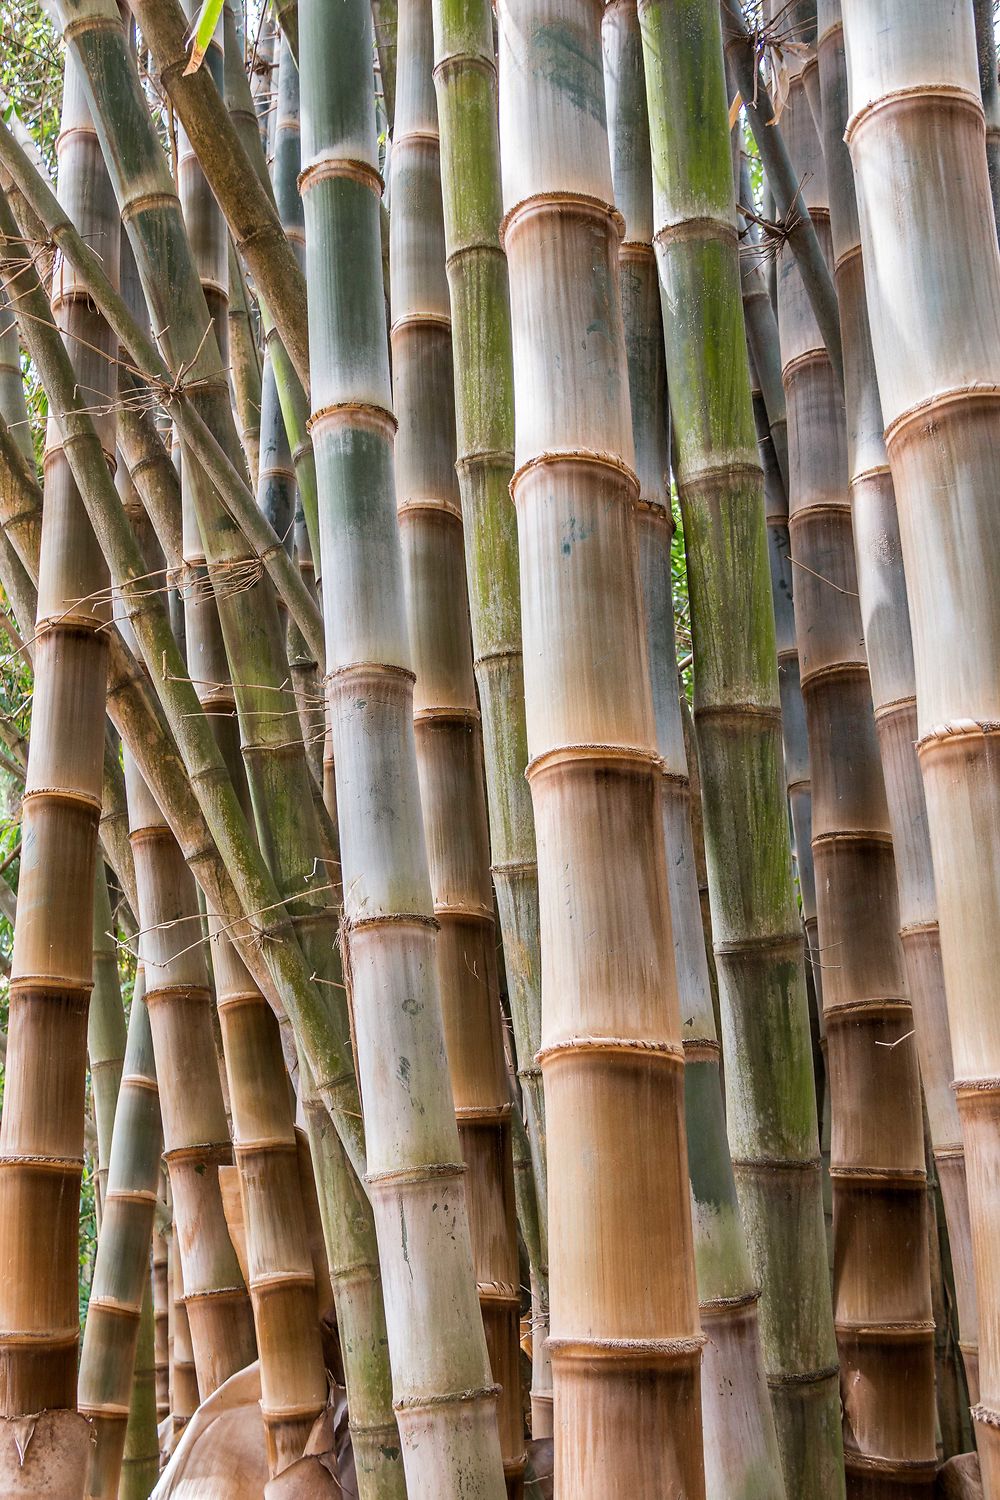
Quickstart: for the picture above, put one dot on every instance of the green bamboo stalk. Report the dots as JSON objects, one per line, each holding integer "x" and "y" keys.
{"x": 769, "y": 1084}
{"x": 917, "y": 123}
{"x": 121, "y": 1271}
{"x": 446, "y": 720}
{"x": 287, "y": 15}
{"x": 105, "y": 1028}
{"x": 386, "y": 22}
{"x": 624, "y": 1316}
{"x": 740, "y": 1444}
{"x": 885, "y": 616}
{"x": 465, "y": 78}
{"x": 444, "y": 1398}
{"x": 141, "y": 1461}
{"x": 41, "y": 1137}
{"x": 244, "y": 366}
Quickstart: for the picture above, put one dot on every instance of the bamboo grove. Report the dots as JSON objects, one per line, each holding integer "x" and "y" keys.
{"x": 499, "y": 771}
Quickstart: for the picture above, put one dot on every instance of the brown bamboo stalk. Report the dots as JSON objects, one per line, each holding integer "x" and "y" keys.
{"x": 623, "y": 1313}
{"x": 446, "y": 719}
{"x": 121, "y": 1271}
{"x": 105, "y": 1028}
{"x": 885, "y": 613}
{"x": 882, "y": 1309}
{"x": 161, "y": 1318}
{"x": 41, "y": 1138}
{"x": 141, "y": 1462}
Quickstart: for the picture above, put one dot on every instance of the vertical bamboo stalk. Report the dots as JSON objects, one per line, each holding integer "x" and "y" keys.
{"x": 121, "y": 1271}
{"x": 624, "y": 1313}
{"x": 446, "y": 720}
{"x": 882, "y": 1309}
{"x": 769, "y": 1082}
{"x": 105, "y": 1027}
{"x": 466, "y": 85}
{"x": 917, "y": 141}
{"x": 161, "y": 1319}
{"x": 989, "y": 84}
{"x": 141, "y": 1461}
{"x": 385, "y": 15}
{"x": 445, "y": 1401}
{"x": 741, "y": 1448}
{"x": 41, "y": 1138}
{"x": 886, "y": 620}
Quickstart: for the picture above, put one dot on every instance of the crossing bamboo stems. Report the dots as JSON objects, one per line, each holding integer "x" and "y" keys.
{"x": 741, "y": 1449}
{"x": 443, "y": 1391}
{"x": 466, "y": 85}
{"x": 769, "y": 1082}
{"x": 41, "y": 1138}
{"x": 121, "y": 1271}
{"x": 886, "y": 620}
{"x": 611, "y": 1050}
{"x": 917, "y": 141}
{"x": 446, "y": 720}
{"x": 881, "y": 1298}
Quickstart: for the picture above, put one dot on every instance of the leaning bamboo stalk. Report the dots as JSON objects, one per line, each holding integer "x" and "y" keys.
{"x": 465, "y": 79}
{"x": 888, "y": 642}
{"x": 740, "y": 1444}
{"x": 446, "y": 720}
{"x": 758, "y": 943}
{"x": 916, "y": 137}
{"x": 882, "y": 1309}
{"x": 444, "y": 1397}
{"x": 243, "y": 198}
{"x": 41, "y": 1138}
{"x": 121, "y": 1271}
{"x": 623, "y": 1314}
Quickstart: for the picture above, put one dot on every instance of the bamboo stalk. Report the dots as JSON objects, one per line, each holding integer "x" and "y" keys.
{"x": 916, "y": 137}
{"x": 386, "y": 21}
{"x": 41, "y": 1137}
{"x": 161, "y": 1318}
{"x": 881, "y": 1301}
{"x": 141, "y": 1461}
{"x": 624, "y": 1315}
{"x": 121, "y": 1271}
{"x": 244, "y": 367}
{"x": 740, "y": 1444}
{"x": 465, "y": 79}
{"x": 769, "y": 1084}
{"x": 446, "y": 720}
{"x": 444, "y": 1398}
{"x": 989, "y": 84}
{"x": 886, "y": 621}
{"x": 105, "y": 1027}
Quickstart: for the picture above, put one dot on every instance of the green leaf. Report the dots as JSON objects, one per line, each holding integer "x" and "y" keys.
{"x": 204, "y": 30}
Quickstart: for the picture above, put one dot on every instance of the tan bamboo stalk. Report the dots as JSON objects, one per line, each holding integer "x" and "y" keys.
{"x": 886, "y": 620}
{"x": 446, "y": 720}
{"x": 141, "y": 1461}
{"x": 105, "y": 1027}
{"x": 41, "y": 1137}
{"x": 466, "y": 85}
{"x": 183, "y": 1374}
{"x": 244, "y": 367}
{"x": 121, "y": 1271}
{"x": 882, "y": 1306}
{"x": 771, "y": 1114}
{"x": 279, "y": 1265}
{"x": 623, "y": 1313}
{"x": 740, "y": 1444}
{"x": 161, "y": 1317}
{"x": 916, "y": 137}
{"x": 443, "y": 1391}
{"x": 989, "y": 84}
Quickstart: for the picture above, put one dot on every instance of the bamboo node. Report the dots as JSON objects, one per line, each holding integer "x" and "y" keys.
{"x": 53, "y": 984}
{"x": 452, "y": 61}
{"x": 985, "y": 1414}
{"x": 672, "y": 1052}
{"x": 567, "y": 202}
{"x": 595, "y": 457}
{"x": 684, "y": 1350}
{"x": 414, "y": 1176}
{"x": 956, "y": 729}
{"x": 921, "y": 1469}
{"x": 363, "y": 413}
{"x": 421, "y": 320}
{"x": 446, "y": 1398}
{"x": 327, "y": 168}
{"x": 892, "y": 1177}
{"x": 70, "y": 1165}
{"x": 967, "y": 1088}
{"x": 914, "y": 93}
{"x": 779, "y": 1379}
{"x": 638, "y": 755}
{"x": 701, "y": 1049}
{"x": 718, "y": 1307}
{"x": 417, "y": 504}
{"x": 893, "y": 1328}
{"x": 695, "y": 228}
{"x": 777, "y": 1164}
{"x": 499, "y": 458}
{"x": 940, "y": 403}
